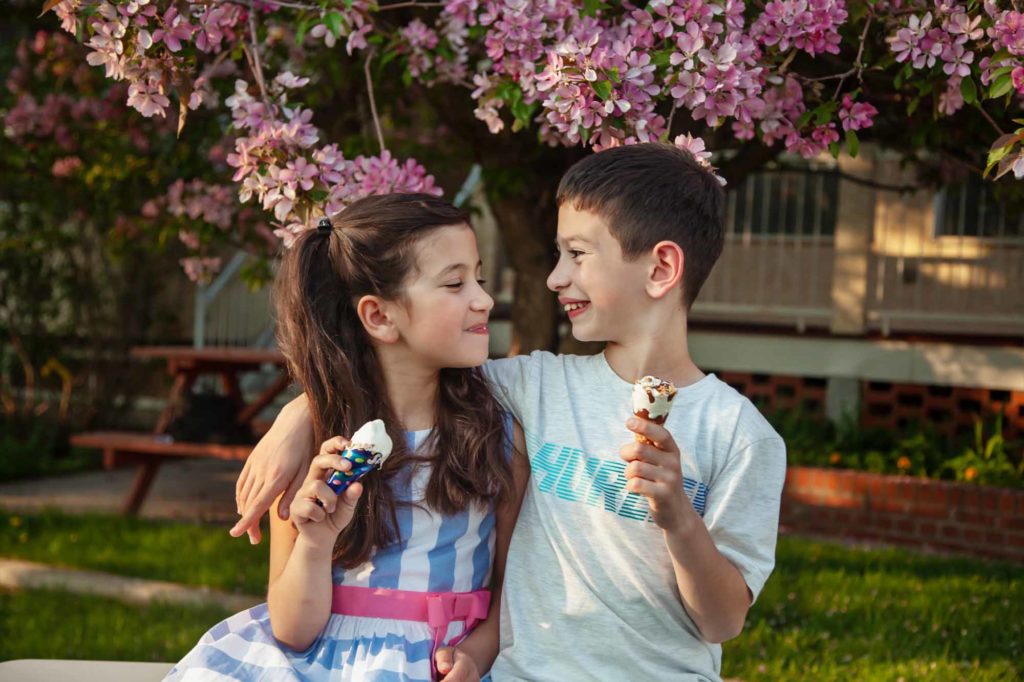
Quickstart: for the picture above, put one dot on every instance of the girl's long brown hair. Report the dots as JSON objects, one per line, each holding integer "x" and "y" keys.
{"x": 370, "y": 250}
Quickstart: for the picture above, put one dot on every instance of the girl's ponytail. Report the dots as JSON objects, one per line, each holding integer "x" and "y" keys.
{"x": 329, "y": 355}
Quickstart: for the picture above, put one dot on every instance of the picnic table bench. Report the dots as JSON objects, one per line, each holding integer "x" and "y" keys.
{"x": 186, "y": 364}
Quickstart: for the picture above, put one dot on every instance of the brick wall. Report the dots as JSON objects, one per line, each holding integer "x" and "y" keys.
{"x": 773, "y": 392}
{"x": 937, "y": 515}
{"x": 948, "y": 409}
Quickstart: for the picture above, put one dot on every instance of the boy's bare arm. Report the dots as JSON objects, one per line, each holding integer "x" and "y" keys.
{"x": 711, "y": 588}
{"x": 276, "y": 467}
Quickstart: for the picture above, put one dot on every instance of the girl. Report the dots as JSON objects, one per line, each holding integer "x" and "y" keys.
{"x": 381, "y": 315}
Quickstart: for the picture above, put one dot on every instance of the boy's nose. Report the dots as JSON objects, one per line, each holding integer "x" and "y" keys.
{"x": 557, "y": 280}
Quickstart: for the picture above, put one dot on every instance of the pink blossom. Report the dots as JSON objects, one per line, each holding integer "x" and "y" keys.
{"x": 855, "y": 116}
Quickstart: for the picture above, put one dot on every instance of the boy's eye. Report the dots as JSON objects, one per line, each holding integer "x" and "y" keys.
{"x": 573, "y": 253}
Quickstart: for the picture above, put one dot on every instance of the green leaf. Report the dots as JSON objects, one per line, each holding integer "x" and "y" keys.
{"x": 613, "y": 75}
{"x": 912, "y": 107}
{"x": 333, "y": 21}
{"x": 592, "y": 7}
{"x": 602, "y": 88}
{"x": 833, "y": 149}
{"x": 969, "y": 90}
{"x": 999, "y": 56}
{"x": 1001, "y": 86}
{"x": 804, "y": 119}
{"x": 823, "y": 112}
{"x": 584, "y": 134}
{"x": 300, "y": 31}
{"x": 852, "y": 143}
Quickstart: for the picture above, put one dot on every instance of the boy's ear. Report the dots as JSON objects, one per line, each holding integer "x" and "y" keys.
{"x": 378, "y": 318}
{"x": 667, "y": 265}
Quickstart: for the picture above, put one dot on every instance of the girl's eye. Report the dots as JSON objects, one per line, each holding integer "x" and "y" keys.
{"x": 481, "y": 282}
{"x": 454, "y": 285}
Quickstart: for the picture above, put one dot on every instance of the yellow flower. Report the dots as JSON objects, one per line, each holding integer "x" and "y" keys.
{"x": 835, "y": 458}
{"x": 903, "y": 463}
{"x": 16, "y": 521}
{"x": 970, "y": 473}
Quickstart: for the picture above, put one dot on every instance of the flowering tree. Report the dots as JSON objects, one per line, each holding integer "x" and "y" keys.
{"x": 525, "y": 86}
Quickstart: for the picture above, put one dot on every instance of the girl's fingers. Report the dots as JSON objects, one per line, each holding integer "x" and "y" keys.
{"x": 305, "y": 510}
{"x": 346, "y": 504}
{"x": 321, "y": 491}
{"x": 323, "y": 463}
{"x": 332, "y": 445}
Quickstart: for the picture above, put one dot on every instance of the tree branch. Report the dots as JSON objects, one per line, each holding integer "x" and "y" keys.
{"x": 373, "y": 103}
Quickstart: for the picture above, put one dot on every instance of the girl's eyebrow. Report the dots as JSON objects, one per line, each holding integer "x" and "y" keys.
{"x": 457, "y": 266}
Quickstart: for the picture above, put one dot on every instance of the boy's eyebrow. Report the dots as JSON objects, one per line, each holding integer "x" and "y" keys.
{"x": 572, "y": 237}
{"x": 457, "y": 266}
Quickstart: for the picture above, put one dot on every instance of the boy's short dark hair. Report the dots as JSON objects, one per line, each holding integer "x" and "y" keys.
{"x": 649, "y": 193}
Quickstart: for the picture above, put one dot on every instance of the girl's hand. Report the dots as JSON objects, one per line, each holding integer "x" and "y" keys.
{"x": 454, "y": 665}
{"x": 277, "y": 463}
{"x": 321, "y": 525}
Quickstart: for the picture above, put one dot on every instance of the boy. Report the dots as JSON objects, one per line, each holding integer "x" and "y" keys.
{"x": 632, "y": 562}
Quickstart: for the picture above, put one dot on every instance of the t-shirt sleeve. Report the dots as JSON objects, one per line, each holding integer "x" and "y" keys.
{"x": 742, "y": 512}
{"x": 509, "y": 379}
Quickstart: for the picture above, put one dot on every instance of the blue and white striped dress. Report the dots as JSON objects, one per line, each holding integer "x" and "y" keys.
{"x": 436, "y": 554}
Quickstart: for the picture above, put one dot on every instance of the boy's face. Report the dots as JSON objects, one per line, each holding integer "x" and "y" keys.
{"x": 603, "y": 294}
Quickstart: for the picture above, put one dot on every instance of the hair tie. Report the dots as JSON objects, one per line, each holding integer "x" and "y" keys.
{"x": 324, "y": 225}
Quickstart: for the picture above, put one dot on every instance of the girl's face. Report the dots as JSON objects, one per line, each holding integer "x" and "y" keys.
{"x": 443, "y": 317}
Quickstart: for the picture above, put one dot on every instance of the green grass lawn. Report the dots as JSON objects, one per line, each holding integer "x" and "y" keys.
{"x": 51, "y": 624}
{"x": 837, "y": 613}
{"x": 180, "y": 552}
{"x": 829, "y": 612}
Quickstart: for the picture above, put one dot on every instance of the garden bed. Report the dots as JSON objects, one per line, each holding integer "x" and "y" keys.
{"x": 916, "y": 512}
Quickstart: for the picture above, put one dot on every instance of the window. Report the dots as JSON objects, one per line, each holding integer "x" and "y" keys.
{"x": 974, "y": 209}
{"x": 785, "y": 202}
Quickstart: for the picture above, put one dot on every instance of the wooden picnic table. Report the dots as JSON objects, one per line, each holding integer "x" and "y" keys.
{"x": 186, "y": 365}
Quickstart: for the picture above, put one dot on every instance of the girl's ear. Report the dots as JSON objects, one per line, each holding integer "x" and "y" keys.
{"x": 667, "y": 266}
{"x": 378, "y": 318}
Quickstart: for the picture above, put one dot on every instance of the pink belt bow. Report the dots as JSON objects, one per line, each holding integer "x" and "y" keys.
{"x": 436, "y": 609}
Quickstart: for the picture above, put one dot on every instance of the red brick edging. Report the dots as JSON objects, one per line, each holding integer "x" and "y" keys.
{"x": 916, "y": 512}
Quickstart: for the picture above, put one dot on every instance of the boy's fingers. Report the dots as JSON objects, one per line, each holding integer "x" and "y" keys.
{"x": 641, "y": 486}
{"x": 656, "y": 433}
{"x": 240, "y": 484}
{"x": 444, "y": 659}
{"x": 644, "y": 470}
{"x": 255, "y": 511}
{"x": 289, "y": 495}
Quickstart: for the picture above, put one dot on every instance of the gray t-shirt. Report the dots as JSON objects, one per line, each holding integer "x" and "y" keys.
{"x": 589, "y": 588}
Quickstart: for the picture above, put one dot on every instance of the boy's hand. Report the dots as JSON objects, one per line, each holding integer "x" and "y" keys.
{"x": 278, "y": 463}
{"x": 455, "y": 666}
{"x": 656, "y": 473}
{"x": 322, "y": 523}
